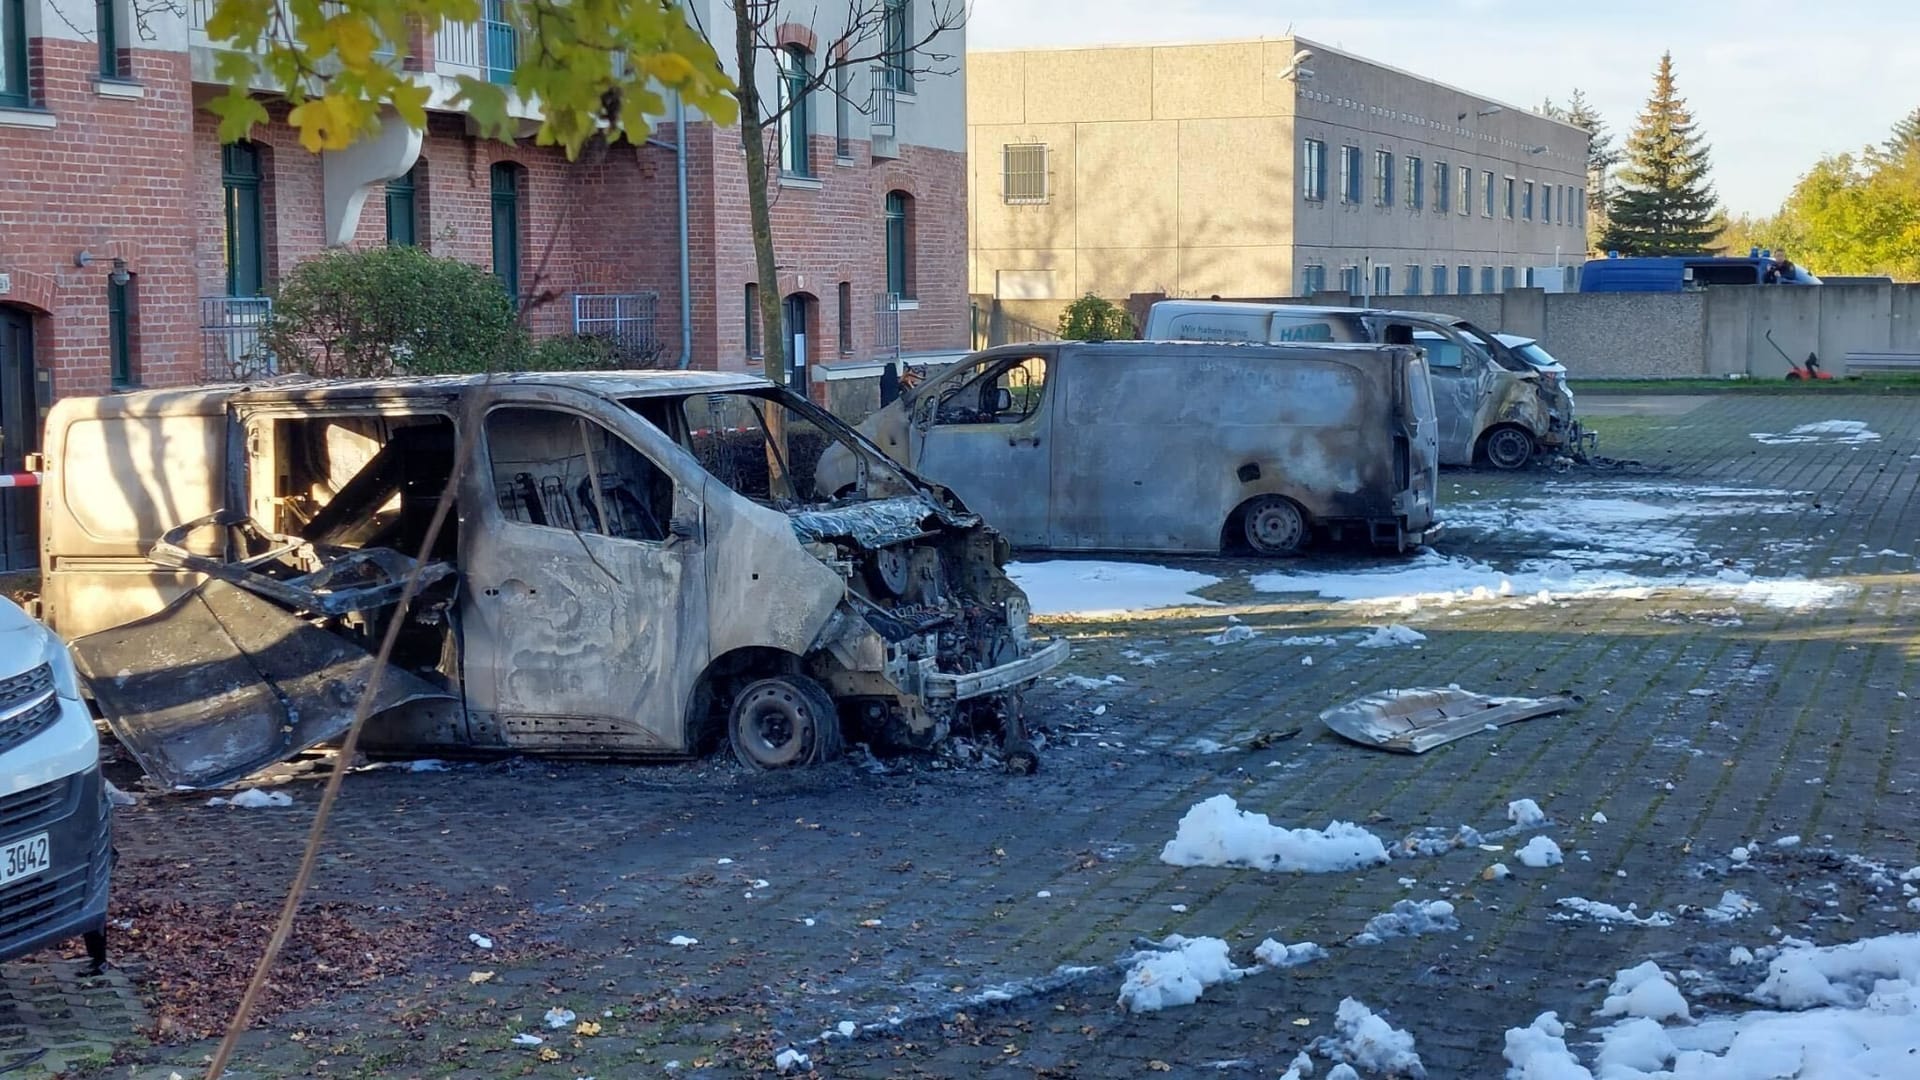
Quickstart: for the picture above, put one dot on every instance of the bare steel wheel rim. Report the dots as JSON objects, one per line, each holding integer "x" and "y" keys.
{"x": 775, "y": 726}
{"x": 1509, "y": 448}
{"x": 1274, "y": 526}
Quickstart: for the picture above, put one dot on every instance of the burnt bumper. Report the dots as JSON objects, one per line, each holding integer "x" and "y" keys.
{"x": 939, "y": 686}
{"x": 69, "y": 897}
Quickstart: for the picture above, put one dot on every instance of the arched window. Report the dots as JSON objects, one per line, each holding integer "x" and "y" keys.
{"x": 796, "y": 122}
{"x": 242, "y": 176}
{"x": 403, "y": 205}
{"x": 899, "y": 225}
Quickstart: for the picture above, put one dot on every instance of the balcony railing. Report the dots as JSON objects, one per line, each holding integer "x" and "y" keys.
{"x": 486, "y": 48}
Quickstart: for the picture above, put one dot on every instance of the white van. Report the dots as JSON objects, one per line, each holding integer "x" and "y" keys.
{"x": 55, "y": 842}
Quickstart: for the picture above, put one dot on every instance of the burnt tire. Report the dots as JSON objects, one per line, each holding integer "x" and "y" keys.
{"x": 1509, "y": 448}
{"x": 783, "y": 722}
{"x": 1274, "y": 525}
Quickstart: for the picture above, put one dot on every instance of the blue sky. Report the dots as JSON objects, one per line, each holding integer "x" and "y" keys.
{"x": 1774, "y": 85}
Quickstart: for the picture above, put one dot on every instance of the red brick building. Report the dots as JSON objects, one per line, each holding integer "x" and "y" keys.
{"x": 136, "y": 250}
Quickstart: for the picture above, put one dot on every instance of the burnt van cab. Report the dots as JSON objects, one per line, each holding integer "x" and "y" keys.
{"x": 630, "y": 564}
{"x": 1493, "y": 404}
{"x": 1174, "y": 446}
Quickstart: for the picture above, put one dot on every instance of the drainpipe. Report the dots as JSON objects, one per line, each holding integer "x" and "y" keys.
{"x": 679, "y": 148}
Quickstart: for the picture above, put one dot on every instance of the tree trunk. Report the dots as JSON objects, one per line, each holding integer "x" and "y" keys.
{"x": 746, "y": 26}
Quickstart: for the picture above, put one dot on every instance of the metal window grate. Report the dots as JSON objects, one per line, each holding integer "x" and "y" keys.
{"x": 629, "y": 320}
{"x": 1023, "y": 172}
{"x": 230, "y": 345}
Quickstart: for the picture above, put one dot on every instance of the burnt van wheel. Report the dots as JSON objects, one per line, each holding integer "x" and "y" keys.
{"x": 1274, "y": 525}
{"x": 1509, "y": 448}
{"x": 782, "y": 722}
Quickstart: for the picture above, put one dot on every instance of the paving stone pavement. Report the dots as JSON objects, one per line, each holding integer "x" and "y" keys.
{"x": 930, "y": 907}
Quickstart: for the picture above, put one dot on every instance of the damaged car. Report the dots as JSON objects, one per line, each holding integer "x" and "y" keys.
{"x": 630, "y": 564}
{"x": 1500, "y": 399}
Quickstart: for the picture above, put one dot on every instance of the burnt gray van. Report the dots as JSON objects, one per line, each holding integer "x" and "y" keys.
{"x": 1174, "y": 446}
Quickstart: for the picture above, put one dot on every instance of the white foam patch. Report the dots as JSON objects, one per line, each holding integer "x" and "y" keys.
{"x": 1433, "y": 580}
{"x": 1366, "y": 1041}
{"x": 1218, "y": 833}
{"x": 1073, "y": 587}
{"x": 1843, "y": 432}
{"x": 1646, "y": 991}
{"x": 1176, "y": 973}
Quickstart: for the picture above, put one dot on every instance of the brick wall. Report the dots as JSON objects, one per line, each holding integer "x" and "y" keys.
{"x": 112, "y": 177}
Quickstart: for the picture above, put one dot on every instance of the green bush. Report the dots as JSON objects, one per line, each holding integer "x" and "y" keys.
{"x": 1093, "y": 319}
{"x": 392, "y": 311}
{"x": 588, "y": 353}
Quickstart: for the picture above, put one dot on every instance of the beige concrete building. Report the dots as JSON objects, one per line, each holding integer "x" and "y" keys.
{"x": 1262, "y": 168}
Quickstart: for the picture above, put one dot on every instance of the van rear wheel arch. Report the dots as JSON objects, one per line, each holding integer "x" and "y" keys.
{"x": 1271, "y": 525}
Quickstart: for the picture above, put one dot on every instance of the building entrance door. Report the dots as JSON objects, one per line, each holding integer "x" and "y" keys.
{"x": 19, "y": 436}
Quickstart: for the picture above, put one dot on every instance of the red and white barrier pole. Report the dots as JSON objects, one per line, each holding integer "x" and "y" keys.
{"x": 19, "y": 479}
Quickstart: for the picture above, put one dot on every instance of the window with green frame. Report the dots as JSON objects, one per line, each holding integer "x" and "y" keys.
{"x": 13, "y": 54}
{"x": 241, "y": 178}
{"x": 896, "y": 27}
{"x": 899, "y": 238}
{"x": 796, "y": 123}
{"x": 401, "y": 209}
{"x": 106, "y": 34}
{"x": 120, "y": 332}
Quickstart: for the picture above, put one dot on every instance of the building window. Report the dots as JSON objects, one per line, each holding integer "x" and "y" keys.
{"x": 240, "y": 176}
{"x": 1413, "y": 279}
{"x": 1580, "y": 206}
{"x": 1506, "y": 277}
{"x": 1383, "y": 281}
{"x": 1486, "y": 279}
{"x": 1546, "y": 204}
{"x": 400, "y": 208}
{"x": 106, "y": 33}
{"x": 505, "y": 178}
{"x": 1383, "y": 178}
{"x": 120, "y": 311}
{"x": 1463, "y": 280}
{"x": 796, "y": 125}
{"x": 1023, "y": 172}
{"x": 899, "y": 225}
{"x": 1350, "y": 174}
{"x": 1442, "y": 187}
{"x": 1506, "y": 197}
{"x": 896, "y": 29}
{"x": 846, "y": 317}
{"x": 1416, "y": 183}
{"x": 1313, "y": 170}
{"x": 1526, "y": 202}
{"x": 1486, "y": 189}
{"x": 753, "y": 321}
{"x": 1350, "y": 280}
{"x": 1313, "y": 279}
{"x": 842, "y": 115}
{"x": 13, "y": 53}
{"x": 1439, "y": 279}
{"x": 1466, "y": 191}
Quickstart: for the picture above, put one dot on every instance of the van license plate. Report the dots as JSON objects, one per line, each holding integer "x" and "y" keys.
{"x": 23, "y": 858}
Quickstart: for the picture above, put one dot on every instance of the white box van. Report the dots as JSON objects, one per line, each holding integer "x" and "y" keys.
{"x": 56, "y": 845}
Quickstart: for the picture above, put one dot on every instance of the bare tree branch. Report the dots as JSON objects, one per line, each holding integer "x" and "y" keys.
{"x": 860, "y": 44}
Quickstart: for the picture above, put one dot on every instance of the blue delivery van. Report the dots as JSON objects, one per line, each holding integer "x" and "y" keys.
{"x": 1678, "y": 273}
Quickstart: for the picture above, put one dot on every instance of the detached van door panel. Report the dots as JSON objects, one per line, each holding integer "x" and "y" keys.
{"x": 986, "y": 433}
{"x": 584, "y": 615}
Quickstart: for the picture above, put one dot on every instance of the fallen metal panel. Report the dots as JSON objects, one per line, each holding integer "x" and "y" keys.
{"x": 1417, "y": 720}
{"x": 222, "y": 683}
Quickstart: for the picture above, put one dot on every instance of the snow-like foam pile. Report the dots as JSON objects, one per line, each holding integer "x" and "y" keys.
{"x": 1386, "y": 637}
{"x": 1072, "y": 587}
{"x": 1176, "y": 973}
{"x": 1539, "y": 853}
{"x": 1274, "y": 954}
{"x": 1218, "y": 833}
{"x": 1644, "y": 990}
{"x": 1845, "y": 975}
{"x": 1365, "y": 1041}
{"x": 1539, "y": 1052}
{"x": 1526, "y": 813}
{"x": 1408, "y": 918}
{"x": 253, "y": 799}
{"x": 1579, "y": 906}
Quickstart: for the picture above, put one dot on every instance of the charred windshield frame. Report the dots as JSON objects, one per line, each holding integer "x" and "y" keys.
{"x": 871, "y": 461}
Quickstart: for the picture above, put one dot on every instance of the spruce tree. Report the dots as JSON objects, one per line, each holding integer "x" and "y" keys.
{"x": 1601, "y": 158}
{"x": 1906, "y": 136}
{"x": 1665, "y": 204}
